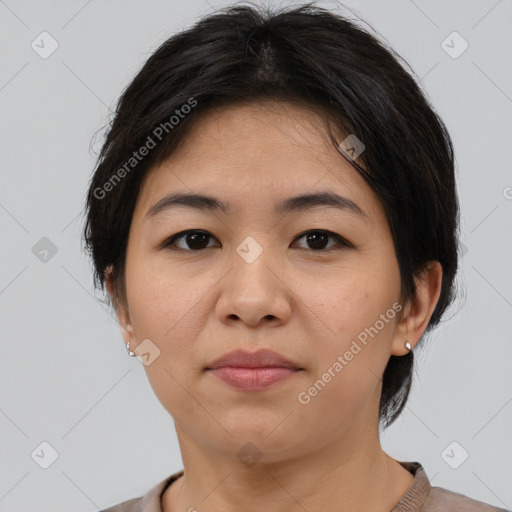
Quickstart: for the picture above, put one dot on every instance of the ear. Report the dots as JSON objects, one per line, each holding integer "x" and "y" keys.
{"x": 121, "y": 307}
{"x": 418, "y": 311}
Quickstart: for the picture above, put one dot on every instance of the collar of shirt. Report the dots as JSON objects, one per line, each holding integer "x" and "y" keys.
{"x": 411, "y": 501}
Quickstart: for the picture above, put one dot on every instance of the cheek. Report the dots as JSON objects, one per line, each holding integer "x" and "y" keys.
{"x": 157, "y": 297}
{"x": 350, "y": 304}
{"x": 357, "y": 322}
{"x": 171, "y": 309}
{"x": 166, "y": 309}
{"x": 353, "y": 350}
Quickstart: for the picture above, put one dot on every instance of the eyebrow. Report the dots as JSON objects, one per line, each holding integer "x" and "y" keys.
{"x": 297, "y": 203}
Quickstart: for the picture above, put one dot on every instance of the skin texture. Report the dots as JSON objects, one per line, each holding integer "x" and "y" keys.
{"x": 306, "y": 304}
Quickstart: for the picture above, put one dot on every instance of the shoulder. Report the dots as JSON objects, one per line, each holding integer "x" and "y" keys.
{"x": 133, "y": 505}
{"x": 422, "y": 497}
{"x": 440, "y": 499}
{"x": 149, "y": 502}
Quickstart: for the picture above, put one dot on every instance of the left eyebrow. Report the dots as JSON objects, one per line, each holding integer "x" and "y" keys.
{"x": 326, "y": 199}
{"x": 297, "y": 203}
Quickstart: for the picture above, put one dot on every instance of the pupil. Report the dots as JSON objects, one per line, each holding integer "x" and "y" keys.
{"x": 193, "y": 237}
{"x": 313, "y": 239}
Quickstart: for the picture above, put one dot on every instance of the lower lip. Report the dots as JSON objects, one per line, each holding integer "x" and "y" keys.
{"x": 252, "y": 379}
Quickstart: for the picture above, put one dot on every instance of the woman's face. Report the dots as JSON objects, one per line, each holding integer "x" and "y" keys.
{"x": 254, "y": 279}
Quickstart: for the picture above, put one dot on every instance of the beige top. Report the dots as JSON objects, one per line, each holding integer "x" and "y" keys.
{"x": 421, "y": 496}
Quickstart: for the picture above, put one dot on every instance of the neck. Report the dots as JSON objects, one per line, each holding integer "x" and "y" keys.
{"x": 343, "y": 477}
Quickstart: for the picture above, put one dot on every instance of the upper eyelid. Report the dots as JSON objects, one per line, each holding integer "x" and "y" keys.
{"x": 341, "y": 240}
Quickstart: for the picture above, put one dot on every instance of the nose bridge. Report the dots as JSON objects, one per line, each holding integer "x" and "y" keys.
{"x": 251, "y": 265}
{"x": 253, "y": 289}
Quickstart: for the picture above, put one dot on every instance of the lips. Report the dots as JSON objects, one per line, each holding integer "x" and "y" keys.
{"x": 261, "y": 359}
{"x": 253, "y": 371}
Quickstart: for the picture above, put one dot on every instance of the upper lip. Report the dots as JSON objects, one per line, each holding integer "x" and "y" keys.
{"x": 261, "y": 359}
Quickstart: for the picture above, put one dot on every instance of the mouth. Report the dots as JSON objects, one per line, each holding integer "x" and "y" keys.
{"x": 253, "y": 371}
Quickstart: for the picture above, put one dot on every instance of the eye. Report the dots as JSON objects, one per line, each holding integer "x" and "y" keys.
{"x": 318, "y": 239}
{"x": 194, "y": 240}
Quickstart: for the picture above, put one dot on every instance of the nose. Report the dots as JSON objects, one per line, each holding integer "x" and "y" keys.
{"x": 254, "y": 293}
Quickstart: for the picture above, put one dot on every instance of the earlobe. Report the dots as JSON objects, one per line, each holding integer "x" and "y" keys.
{"x": 121, "y": 308}
{"x": 126, "y": 333}
{"x": 125, "y": 325}
{"x": 419, "y": 309}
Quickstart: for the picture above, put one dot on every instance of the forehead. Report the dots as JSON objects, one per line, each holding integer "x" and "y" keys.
{"x": 254, "y": 154}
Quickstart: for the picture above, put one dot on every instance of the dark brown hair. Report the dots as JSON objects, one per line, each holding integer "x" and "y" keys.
{"x": 304, "y": 55}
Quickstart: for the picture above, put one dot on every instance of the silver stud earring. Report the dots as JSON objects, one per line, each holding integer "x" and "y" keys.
{"x": 130, "y": 353}
{"x": 408, "y": 346}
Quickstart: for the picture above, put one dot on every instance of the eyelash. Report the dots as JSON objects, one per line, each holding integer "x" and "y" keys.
{"x": 169, "y": 243}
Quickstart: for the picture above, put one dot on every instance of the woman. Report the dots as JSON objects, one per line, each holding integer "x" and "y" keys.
{"x": 274, "y": 216}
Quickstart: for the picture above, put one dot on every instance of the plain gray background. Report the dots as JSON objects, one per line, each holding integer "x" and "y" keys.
{"x": 65, "y": 376}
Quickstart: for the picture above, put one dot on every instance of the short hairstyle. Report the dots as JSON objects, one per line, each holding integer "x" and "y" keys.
{"x": 304, "y": 56}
